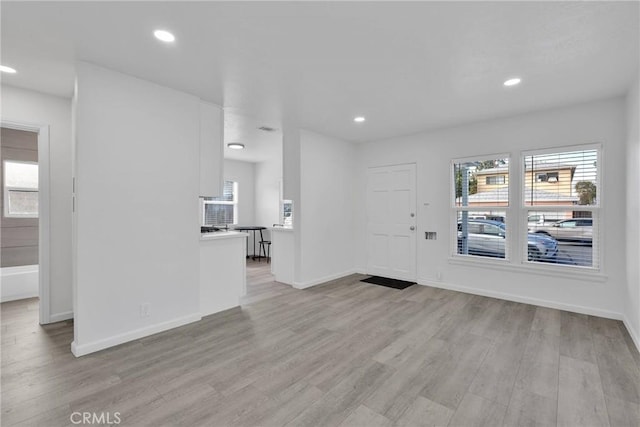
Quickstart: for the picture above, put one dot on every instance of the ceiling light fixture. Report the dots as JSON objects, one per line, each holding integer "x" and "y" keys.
{"x": 6, "y": 69}
{"x": 235, "y": 146}
{"x": 512, "y": 82}
{"x": 359, "y": 119}
{"x": 164, "y": 36}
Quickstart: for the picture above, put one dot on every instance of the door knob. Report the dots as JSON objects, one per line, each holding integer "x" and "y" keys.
{"x": 412, "y": 214}
{"x": 412, "y": 228}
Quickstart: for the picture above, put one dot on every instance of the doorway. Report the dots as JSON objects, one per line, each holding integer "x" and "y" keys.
{"x": 24, "y": 182}
{"x": 391, "y": 221}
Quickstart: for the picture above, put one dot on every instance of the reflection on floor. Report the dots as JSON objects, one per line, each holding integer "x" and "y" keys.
{"x": 261, "y": 284}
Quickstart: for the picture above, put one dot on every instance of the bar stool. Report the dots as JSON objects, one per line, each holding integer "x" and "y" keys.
{"x": 265, "y": 248}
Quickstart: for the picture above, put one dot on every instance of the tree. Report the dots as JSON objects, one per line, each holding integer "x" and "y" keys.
{"x": 489, "y": 164}
{"x": 473, "y": 183}
{"x": 586, "y": 191}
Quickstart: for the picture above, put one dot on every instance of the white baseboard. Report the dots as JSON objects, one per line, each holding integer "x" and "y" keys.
{"x": 310, "y": 283}
{"x": 632, "y": 332}
{"x": 19, "y": 282}
{"x": 59, "y": 317}
{"x": 84, "y": 349}
{"x": 526, "y": 300}
{"x": 16, "y": 297}
{"x": 220, "y": 307}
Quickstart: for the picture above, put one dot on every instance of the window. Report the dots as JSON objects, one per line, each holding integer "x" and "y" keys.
{"x": 480, "y": 204}
{"x": 495, "y": 180}
{"x": 565, "y": 206}
{"x": 547, "y": 177}
{"x": 222, "y": 210}
{"x": 20, "y": 189}
{"x": 287, "y": 213}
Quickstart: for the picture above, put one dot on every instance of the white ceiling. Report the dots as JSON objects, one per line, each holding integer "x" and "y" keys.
{"x": 407, "y": 66}
{"x": 259, "y": 146}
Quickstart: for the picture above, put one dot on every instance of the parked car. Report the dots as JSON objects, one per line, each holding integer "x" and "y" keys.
{"x": 541, "y": 220}
{"x": 487, "y": 238}
{"x": 569, "y": 230}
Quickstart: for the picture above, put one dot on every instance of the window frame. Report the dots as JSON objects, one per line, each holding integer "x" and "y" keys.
{"x": 288, "y": 223}
{"x": 454, "y": 210}
{"x": 517, "y": 213}
{"x": 499, "y": 181}
{"x": 233, "y": 203}
{"x": 595, "y": 210}
{"x": 6, "y": 189}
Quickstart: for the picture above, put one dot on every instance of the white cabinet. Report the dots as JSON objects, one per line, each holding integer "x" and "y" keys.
{"x": 211, "y": 149}
{"x": 223, "y": 274}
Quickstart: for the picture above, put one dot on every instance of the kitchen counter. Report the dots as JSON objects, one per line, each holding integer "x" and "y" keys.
{"x": 222, "y": 235}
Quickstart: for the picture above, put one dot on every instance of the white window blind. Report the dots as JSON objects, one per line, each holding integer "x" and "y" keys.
{"x": 480, "y": 202}
{"x": 222, "y": 210}
{"x": 560, "y": 193}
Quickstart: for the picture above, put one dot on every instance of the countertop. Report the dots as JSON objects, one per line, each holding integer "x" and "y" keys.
{"x": 219, "y": 235}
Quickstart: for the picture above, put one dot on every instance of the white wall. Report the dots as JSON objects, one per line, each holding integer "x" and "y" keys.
{"x": 243, "y": 173}
{"x": 268, "y": 175}
{"x": 325, "y": 212}
{"x": 632, "y": 226}
{"x": 137, "y": 184}
{"x": 602, "y": 121}
{"x": 29, "y": 107}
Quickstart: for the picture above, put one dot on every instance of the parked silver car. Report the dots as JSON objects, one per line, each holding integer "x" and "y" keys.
{"x": 487, "y": 238}
{"x": 569, "y": 230}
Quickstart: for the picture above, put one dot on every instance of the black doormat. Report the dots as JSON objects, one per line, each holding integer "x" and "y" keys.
{"x": 389, "y": 283}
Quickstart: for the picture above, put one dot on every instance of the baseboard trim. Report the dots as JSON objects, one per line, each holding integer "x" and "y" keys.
{"x": 526, "y": 300}
{"x": 632, "y": 332}
{"x": 310, "y": 283}
{"x": 19, "y": 296}
{"x": 219, "y": 308}
{"x": 92, "y": 347}
{"x": 59, "y": 317}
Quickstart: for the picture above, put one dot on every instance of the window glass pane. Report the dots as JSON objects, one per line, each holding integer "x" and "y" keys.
{"x": 482, "y": 233}
{"x": 482, "y": 183}
{"x": 565, "y": 178}
{"x": 287, "y": 213}
{"x": 570, "y": 231}
{"x": 215, "y": 214}
{"x": 228, "y": 192}
{"x": 23, "y": 203}
{"x": 21, "y": 174}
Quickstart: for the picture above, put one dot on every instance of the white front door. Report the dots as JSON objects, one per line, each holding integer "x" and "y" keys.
{"x": 391, "y": 221}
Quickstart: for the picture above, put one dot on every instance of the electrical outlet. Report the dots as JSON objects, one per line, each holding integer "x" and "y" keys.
{"x": 439, "y": 275}
{"x": 144, "y": 309}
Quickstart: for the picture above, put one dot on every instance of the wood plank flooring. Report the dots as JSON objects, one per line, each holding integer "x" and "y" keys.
{"x": 344, "y": 353}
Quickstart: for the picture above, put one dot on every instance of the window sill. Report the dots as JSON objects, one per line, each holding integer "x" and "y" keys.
{"x": 565, "y": 272}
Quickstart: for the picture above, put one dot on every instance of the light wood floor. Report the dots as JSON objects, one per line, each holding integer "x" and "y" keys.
{"x": 345, "y": 353}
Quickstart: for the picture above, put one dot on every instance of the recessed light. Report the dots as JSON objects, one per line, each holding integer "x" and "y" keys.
{"x": 6, "y": 69}
{"x": 359, "y": 119}
{"x": 235, "y": 146}
{"x": 512, "y": 82}
{"x": 164, "y": 36}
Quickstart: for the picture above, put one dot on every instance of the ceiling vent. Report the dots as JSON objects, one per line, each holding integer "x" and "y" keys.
{"x": 267, "y": 129}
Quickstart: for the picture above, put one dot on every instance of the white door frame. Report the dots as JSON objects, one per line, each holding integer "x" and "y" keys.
{"x": 44, "y": 212}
